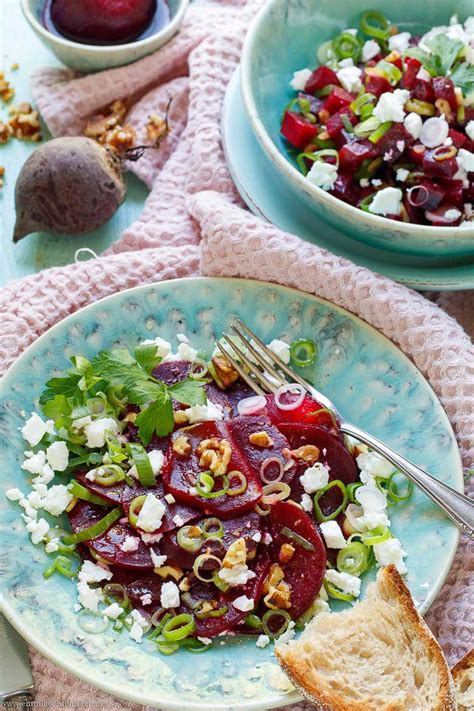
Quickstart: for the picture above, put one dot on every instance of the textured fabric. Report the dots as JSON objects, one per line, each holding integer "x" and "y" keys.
{"x": 193, "y": 222}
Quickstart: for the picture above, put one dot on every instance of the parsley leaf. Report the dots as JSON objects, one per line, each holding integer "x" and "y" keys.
{"x": 444, "y": 52}
{"x": 127, "y": 373}
{"x": 188, "y": 392}
{"x": 463, "y": 76}
{"x": 146, "y": 357}
{"x": 157, "y": 417}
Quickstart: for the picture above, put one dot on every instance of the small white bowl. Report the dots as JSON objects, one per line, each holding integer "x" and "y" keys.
{"x": 94, "y": 58}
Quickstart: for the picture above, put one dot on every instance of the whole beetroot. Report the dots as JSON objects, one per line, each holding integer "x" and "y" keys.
{"x": 68, "y": 186}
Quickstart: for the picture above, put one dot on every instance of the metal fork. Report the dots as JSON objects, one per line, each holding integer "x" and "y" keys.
{"x": 268, "y": 373}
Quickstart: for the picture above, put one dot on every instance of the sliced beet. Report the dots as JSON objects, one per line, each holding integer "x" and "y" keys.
{"x": 85, "y": 514}
{"x": 306, "y": 413}
{"x": 245, "y": 526}
{"x": 149, "y": 584}
{"x": 181, "y": 476}
{"x": 173, "y": 372}
{"x": 304, "y": 572}
{"x": 230, "y": 397}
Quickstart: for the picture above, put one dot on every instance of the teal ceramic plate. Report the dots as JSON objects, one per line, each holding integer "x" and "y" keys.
{"x": 266, "y": 193}
{"x": 368, "y": 378}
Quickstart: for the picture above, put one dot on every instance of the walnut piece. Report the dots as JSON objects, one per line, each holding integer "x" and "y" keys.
{"x": 214, "y": 455}
{"x": 180, "y": 417}
{"x": 260, "y": 439}
{"x": 307, "y": 453}
{"x": 169, "y": 571}
{"x": 24, "y": 122}
{"x": 108, "y": 129}
{"x": 182, "y": 446}
{"x": 278, "y": 593}
{"x": 225, "y": 372}
{"x": 157, "y": 129}
{"x": 6, "y": 90}
{"x": 286, "y": 553}
{"x": 6, "y": 132}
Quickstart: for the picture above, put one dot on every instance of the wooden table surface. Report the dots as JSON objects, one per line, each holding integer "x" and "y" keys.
{"x": 19, "y": 44}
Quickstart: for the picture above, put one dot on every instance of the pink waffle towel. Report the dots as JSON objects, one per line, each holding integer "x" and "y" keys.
{"x": 194, "y": 223}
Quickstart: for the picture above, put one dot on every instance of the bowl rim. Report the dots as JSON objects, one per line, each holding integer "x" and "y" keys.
{"x": 173, "y": 24}
{"x": 284, "y": 166}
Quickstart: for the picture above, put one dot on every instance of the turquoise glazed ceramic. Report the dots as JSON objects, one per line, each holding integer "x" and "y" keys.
{"x": 92, "y": 58}
{"x": 365, "y": 374}
{"x": 283, "y": 38}
{"x": 265, "y": 191}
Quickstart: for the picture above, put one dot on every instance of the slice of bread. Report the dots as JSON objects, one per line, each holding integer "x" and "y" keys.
{"x": 377, "y": 656}
{"x": 463, "y": 675}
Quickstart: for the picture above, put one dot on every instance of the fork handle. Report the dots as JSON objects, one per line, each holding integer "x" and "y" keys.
{"x": 458, "y": 507}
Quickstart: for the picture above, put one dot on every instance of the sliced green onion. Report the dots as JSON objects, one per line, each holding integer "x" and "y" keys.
{"x": 195, "y": 646}
{"x": 262, "y": 511}
{"x": 178, "y": 627}
{"x": 166, "y": 648}
{"x": 325, "y": 91}
{"x": 271, "y": 615}
{"x": 277, "y": 491}
{"x": 199, "y": 369}
{"x": 253, "y": 621}
{"x": 307, "y": 545}
{"x": 219, "y": 583}
{"x": 374, "y": 24}
{"x": 351, "y": 490}
{"x": 61, "y": 534}
{"x": 392, "y": 489}
{"x": 205, "y": 484}
{"x": 361, "y": 101}
{"x": 237, "y": 490}
{"x": 314, "y": 156}
{"x": 220, "y": 612}
{"x": 353, "y": 559}
{"x": 212, "y": 528}
{"x": 347, "y": 123}
{"x": 288, "y": 107}
{"x": 334, "y": 592}
{"x": 135, "y": 508}
{"x": 303, "y": 352}
{"x": 109, "y": 475}
{"x": 142, "y": 462}
{"x": 62, "y": 565}
{"x": 346, "y": 46}
{"x": 97, "y": 529}
{"x": 366, "y": 111}
{"x": 92, "y": 622}
{"x": 376, "y": 535}
{"x": 190, "y": 538}
{"x": 381, "y": 131}
{"x": 423, "y": 108}
{"x": 325, "y": 52}
{"x": 369, "y": 167}
{"x": 324, "y": 143}
{"x": 365, "y": 128}
{"x": 366, "y": 202}
{"x": 80, "y": 492}
{"x": 199, "y": 562}
{"x": 320, "y": 517}
{"x": 388, "y": 71}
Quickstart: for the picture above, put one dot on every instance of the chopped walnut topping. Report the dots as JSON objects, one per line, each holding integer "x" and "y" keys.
{"x": 169, "y": 571}
{"x": 286, "y": 553}
{"x": 277, "y": 591}
{"x": 157, "y": 129}
{"x": 108, "y": 130}
{"x": 6, "y": 90}
{"x": 236, "y": 554}
{"x": 275, "y": 574}
{"x": 180, "y": 417}
{"x": 120, "y": 138}
{"x": 25, "y": 122}
{"x": 307, "y": 453}
{"x": 2, "y": 173}
{"x": 6, "y": 132}
{"x": 225, "y": 372}
{"x": 260, "y": 439}
{"x": 214, "y": 455}
{"x": 184, "y": 585}
{"x": 182, "y": 446}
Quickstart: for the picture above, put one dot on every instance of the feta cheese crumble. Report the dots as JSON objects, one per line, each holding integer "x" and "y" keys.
{"x": 402, "y": 174}
{"x": 204, "y": 413}
{"x": 157, "y": 560}
{"x": 333, "y": 536}
{"x": 57, "y": 455}
{"x": 370, "y": 49}
{"x": 280, "y": 349}
{"x": 390, "y": 106}
{"x": 323, "y": 175}
{"x": 95, "y": 431}
{"x": 300, "y": 79}
{"x": 151, "y": 514}
{"x": 400, "y": 42}
{"x": 262, "y": 641}
{"x": 314, "y": 478}
{"x": 350, "y": 78}
{"x": 391, "y": 551}
{"x": 413, "y": 124}
{"x": 169, "y": 595}
{"x": 130, "y": 543}
{"x": 243, "y": 603}
{"x": 307, "y": 503}
{"x": 387, "y": 202}
{"x": 113, "y": 611}
{"x": 93, "y": 573}
{"x": 138, "y": 627}
{"x": 466, "y": 160}
{"x": 35, "y": 429}
{"x": 347, "y": 583}
{"x": 470, "y": 130}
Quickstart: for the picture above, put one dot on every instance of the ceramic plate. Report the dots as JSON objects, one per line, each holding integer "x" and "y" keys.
{"x": 267, "y": 195}
{"x": 368, "y": 378}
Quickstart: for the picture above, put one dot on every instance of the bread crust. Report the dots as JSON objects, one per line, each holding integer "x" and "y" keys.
{"x": 463, "y": 664}
{"x": 391, "y": 586}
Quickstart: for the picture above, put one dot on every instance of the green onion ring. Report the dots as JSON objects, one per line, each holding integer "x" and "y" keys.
{"x": 109, "y": 475}
{"x": 142, "y": 463}
{"x": 381, "y": 131}
{"x": 376, "y": 535}
{"x": 178, "y": 627}
{"x": 210, "y": 523}
{"x": 327, "y": 412}
{"x": 253, "y": 621}
{"x": 320, "y": 517}
{"x": 307, "y": 545}
{"x": 353, "y": 559}
{"x": 334, "y": 592}
{"x": 205, "y": 483}
{"x": 200, "y": 560}
{"x": 388, "y": 71}
{"x": 62, "y": 565}
{"x": 219, "y": 583}
{"x": 97, "y": 529}
{"x": 236, "y": 491}
{"x": 61, "y": 534}
{"x": 365, "y": 128}
{"x": 199, "y": 369}
{"x": 303, "y": 351}
{"x": 220, "y": 612}
{"x": 135, "y": 508}
{"x": 261, "y": 511}
{"x": 351, "y": 490}
{"x": 195, "y": 646}
{"x": 374, "y": 24}
{"x": 325, "y": 52}
{"x": 277, "y": 491}
{"x": 346, "y": 46}
{"x": 80, "y": 492}
{"x": 190, "y": 538}
{"x": 361, "y": 101}
{"x": 92, "y": 622}
{"x": 166, "y": 648}
{"x": 271, "y": 614}
{"x": 392, "y": 489}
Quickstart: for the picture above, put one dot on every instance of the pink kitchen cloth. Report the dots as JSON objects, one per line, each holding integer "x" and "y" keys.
{"x": 194, "y": 223}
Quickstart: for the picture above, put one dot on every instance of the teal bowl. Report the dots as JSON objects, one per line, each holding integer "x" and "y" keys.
{"x": 283, "y": 38}
{"x": 94, "y": 58}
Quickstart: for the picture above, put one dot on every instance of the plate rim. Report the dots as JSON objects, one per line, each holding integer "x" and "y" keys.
{"x": 6, "y": 607}
{"x": 422, "y": 284}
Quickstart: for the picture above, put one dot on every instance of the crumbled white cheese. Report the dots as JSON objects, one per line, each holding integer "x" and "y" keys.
{"x": 178, "y": 520}
{"x": 205, "y": 640}
{"x": 347, "y": 583}
{"x": 390, "y": 106}
{"x": 413, "y": 124}
{"x": 151, "y": 514}
{"x": 243, "y": 603}
{"x": 56, "y": 500}
{"x": 300, "y": 79}
{"x": 257, "y": 537}
{"x": 281, "y": 349}
{"x": 262, "y": 641}
{"x": 93, "y": 573}
{"x": 37, "y": 529}
{"x": 466, "y": 160}
{"x": 364, "y": 182}
{"x": 288, "y": 634}
{"x": 95, "y": 431}
{"x": 88, "y": 597}
{"x": 138, "y": 627}
{"x": 323, "y": 175}
{"x": 376, "y": 182}
{"x": 307, "y": 503}
{"x": 402, "y": 174}
{"x": 113, "y": 611}
{"x": 204, "y": 413}
{"x": 314, "y": 478}
{"x": 130, "y": 543}
{"x": 169, "y": 595}
{"x": 35, "y": 463}
{"x": 453, "y": 214}
{"x": 81, "y": 422}
{"x": 237, "y": 575}
{"x": 52, "y": 546}
{"x": 151, "y": 537}
{"x": 350, "y": 78}
{"x": 182, "y": 338}
{"x": 391, "y": 551}
{"x": 169, "y": 498}
{"x": 185, "y": 352}
{"x": 333, "y": 536}
{"x": 163, "y": 348}
{"x": 14, "y": 494}
{"x": 157, "y": 459}
{"x": 146, "y": 599}
{"x": 373, "y": 518}
{"x": 375, "y": 465}
{"x": 57, "y": 455}
{"x": 400, "y": 42}
{"x": 370, "y": 49}
{"x": 423, "y": 74}
{"x": 387, "y": 202}
{"x": 157, "y": 560}
{"x": 35, "y": 429}
{"x": 470, "y": 130}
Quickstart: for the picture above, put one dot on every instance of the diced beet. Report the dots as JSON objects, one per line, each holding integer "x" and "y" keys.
{"x": 423, "y": 90}
{"x": 394, "y": 142}
{"x": 345, "y": 188}
{"x": 335, "y": 124}
{"x": 439, "y": 168}
{"x": 469, "y": 114}
{"x": 396, "y": 59}
{"x": 377, "y": 85}
{"x": 352, "y": 155}
{"x": 443, "y": 88}
{"x": 314, "y": 103}
{"x": 345, "y": 137}
{"x": 246, "y": 526}
{"x": 417, "y": 153}
{"x": 304, "y": 572}
{"x": 454, "y": 192}
{"x": 321, "y": 77}
{"x": 180, "y": 477}
{"x": 416, "y": 214}
{"x": 435, "y": 193}
{"x": 242, "y": 427}
{"x": 337, "y": 100}
{"x": 412, "y": 69}
{"x": 458, "y": 138}
{"x": 439, "y": 217}
{"x": 468, "y": 193}
{"x": 303, "y": 414}
{"x": 297, "y": 130}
